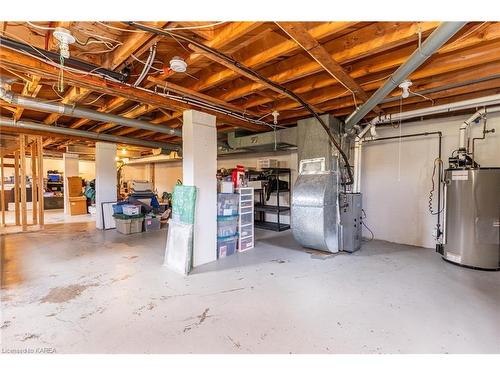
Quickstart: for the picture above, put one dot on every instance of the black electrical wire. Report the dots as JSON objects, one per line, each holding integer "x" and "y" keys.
{"x": 366, "y": 226}
{"x": 258, "y": 76}
{"x": 431, "y": 193}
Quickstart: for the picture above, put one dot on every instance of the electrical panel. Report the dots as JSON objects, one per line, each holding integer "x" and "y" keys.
{"x": 350, "y": 221}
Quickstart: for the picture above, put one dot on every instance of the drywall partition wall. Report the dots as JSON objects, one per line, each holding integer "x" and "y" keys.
{"x": 70, "y": 164}
{"x": 396, "y": 177}
{"x": 199, "y": 167}
{"x": 106, "y": 179}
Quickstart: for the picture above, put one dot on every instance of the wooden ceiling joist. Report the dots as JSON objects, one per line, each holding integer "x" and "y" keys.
{"x": 302, "y": 37}
{"x": 131, "y": 45}
{"x": 267, "y": 48}
{"x": 242, "y": 72}
{"x": 364, "y": 43}
{"x": 325, "y": 63}
{"x": 31, "y": 88}
{"x": 73, "y": 96}
{"x": 228, "y": 34}
{"x": 19, "y": 60}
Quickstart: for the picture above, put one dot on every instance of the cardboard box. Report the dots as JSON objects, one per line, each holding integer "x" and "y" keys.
{"x": 77, "y": 205}
{"x": 226, "y": 187}
{"x": 259, "y": 184}
{"x": 74, "y": 186}
{"x": 267, "y": 163}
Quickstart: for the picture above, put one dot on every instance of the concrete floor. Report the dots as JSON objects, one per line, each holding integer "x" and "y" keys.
{"x": 50, "y": 217}
{"x": 77, "y": 290}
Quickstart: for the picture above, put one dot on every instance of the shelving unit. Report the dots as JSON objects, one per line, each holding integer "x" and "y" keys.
{"x": 246, "y": 234}
{"x": 261, "y": 208}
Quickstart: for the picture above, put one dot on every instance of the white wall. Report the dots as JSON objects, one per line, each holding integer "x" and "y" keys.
{"x": 134, "y": 172}
{"x": 396, "y": 178}
{"x": 86, "y": 167}
{"x": 166, "y": 175}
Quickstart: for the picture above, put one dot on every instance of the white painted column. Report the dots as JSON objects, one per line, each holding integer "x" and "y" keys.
{"x": 70, "y": 170}
{"x": 105, "y": 177}
{"x": 199, "y": 167}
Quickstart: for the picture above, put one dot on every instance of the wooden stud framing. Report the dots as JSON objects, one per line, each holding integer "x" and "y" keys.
{"x": 16, "y": 188}
{"x": 41, "y": 216}
{"x": 2, "y": 192}
{"x": 22, "y": 150}
{"x": 34, "y": 191}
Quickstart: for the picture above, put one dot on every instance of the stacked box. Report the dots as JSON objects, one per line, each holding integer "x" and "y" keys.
{"x": 227, "y": 204}
{"x": 226, "y": 246}
{"x": 77, "y": 205}
{"x": 227, "y": 226}
{"x": 151, "y": 223}
{"x": 129, "y": 226}
{"x": 130, "y": 209}
{"x": 74, "y": 187}
{"x": 227, "y": 223}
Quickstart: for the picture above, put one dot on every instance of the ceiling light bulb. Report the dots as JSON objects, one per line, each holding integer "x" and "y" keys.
{"x": 124, "y": 151}
{"x": 405, "y": 86}
{"x": 275, "y": 117}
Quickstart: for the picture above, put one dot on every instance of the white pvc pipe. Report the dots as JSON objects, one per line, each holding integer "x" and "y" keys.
{"x": 465, "y": 104}
{"x": 465, "y": 125}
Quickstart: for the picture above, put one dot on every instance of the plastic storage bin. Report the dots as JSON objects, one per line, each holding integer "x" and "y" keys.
{"x": 246, "y": 218}
{"x": 246, "y": 244}
{"x": 246, "y": 231}
{"x": 227, "y": 226}
{"x": 227, "y": 204}
{"x": 130, "y": 209}
{"x": 123, "y": 225}
{"x": 136, "y": 225}
{"x": 226, "y": 246}
{"x": 151, "y": 223}
{"x": 246, "y": 210}
{"x": 129, "y": 226}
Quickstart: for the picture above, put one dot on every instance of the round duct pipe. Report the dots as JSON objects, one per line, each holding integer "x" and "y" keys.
{"x": 34, "y": 126}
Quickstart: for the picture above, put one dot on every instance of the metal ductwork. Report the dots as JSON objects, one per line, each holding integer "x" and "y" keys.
{"x": 439, "y": 37}
{"x": 283, "y": 139}
{"x": 34, "y": 126}
{"x": 314, "y": 209}
{"x": 80, "y": 112}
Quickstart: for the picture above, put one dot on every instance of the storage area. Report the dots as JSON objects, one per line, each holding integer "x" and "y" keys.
{"x": 208, "y": 184}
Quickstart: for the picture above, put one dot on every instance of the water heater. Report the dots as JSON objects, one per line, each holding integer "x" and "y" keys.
{"x": 472, "y": 218}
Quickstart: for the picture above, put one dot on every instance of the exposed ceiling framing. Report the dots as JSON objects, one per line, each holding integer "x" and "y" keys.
{"x": 333, "y": 66}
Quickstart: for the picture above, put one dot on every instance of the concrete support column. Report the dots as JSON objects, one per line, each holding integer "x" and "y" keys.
{"x": 105, "y": 178}
{"x": 199, "y": 167}
{"x": 70, "y": 170}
